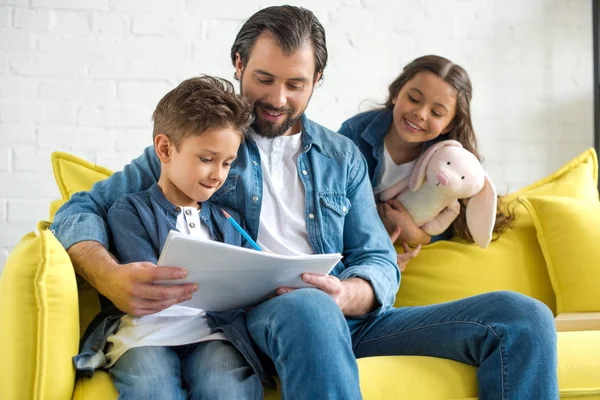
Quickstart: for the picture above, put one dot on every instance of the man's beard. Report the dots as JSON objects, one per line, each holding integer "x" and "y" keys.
{"x": 268, "y": 129}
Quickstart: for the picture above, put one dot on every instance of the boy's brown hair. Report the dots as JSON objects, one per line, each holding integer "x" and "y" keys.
{"x": 197, "y": 105}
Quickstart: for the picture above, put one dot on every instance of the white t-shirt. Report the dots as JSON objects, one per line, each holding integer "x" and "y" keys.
{"x": 392, "y": 173}
{"x": 174, "y": 326}
{"x": 282, "y": 227}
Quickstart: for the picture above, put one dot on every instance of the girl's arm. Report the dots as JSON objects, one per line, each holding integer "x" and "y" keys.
{"x": 393, "y": 215}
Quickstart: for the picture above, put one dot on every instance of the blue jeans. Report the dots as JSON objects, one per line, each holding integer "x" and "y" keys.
{"x": 511, "y": 337}
{"x": 206, "y": 370}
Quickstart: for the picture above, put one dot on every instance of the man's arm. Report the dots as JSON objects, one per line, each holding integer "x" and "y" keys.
{"x": 80, "y": 226}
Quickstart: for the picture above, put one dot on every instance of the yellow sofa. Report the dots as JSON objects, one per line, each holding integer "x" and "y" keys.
{"x": 44, "y": 307}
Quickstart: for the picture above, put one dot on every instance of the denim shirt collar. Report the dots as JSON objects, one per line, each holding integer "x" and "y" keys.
{"x": 157, "y": 194}
{"x": 377, "y": 129}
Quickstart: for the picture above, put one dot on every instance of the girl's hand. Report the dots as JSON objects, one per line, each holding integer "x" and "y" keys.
{"x": 409, "y": 254}
{"x": 394, "y": 215}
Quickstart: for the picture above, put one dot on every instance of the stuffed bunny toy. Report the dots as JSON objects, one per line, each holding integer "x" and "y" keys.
{"x": 444, "y": 173}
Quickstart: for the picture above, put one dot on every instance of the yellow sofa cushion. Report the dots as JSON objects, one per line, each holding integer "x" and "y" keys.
{"x": 450, "y": 270}
{"x": 39, "y": 313}
{"x": 568, "y": 231}
{"x": 74, "y": 174}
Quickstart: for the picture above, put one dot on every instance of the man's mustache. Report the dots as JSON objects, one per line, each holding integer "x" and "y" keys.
{"x": 268, "y": 107}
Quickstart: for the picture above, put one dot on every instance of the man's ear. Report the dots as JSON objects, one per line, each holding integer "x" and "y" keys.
{"x": 163, "y": 147}
{"x": 317, "y": 78}
{"x": 239, "y": 66}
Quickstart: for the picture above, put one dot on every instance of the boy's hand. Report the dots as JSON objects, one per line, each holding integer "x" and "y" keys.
{"x": 131, "y": 288}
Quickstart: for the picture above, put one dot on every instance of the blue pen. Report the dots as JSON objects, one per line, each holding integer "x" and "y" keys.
{"x": 241, "y": 230}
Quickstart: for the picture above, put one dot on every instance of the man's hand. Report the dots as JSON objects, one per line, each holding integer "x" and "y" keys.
{"x": 409, "y": 254}
{"x": 131, "y": 288}
{"x": 354, "y": 296}
{"x": 393, "y": 215}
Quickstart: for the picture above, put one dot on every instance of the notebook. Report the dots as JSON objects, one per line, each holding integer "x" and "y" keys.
{"x": 231, "y": 277}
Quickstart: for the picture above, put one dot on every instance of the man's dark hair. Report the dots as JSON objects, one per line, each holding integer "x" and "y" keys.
{"x": 199, "y": 104}
{"x": 290, "y": 26}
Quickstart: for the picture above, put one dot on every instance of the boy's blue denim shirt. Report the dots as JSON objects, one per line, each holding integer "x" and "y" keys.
{"x": 341, "y": 216}
{"x": 367, "y": 130}
{"x": 139, "y": 224}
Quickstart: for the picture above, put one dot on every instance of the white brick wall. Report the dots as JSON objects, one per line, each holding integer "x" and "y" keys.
{"x": 84, "y": 77}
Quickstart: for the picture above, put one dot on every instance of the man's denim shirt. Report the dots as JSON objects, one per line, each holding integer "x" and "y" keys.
{"x": 139, "y": 224}
{"x": 367, "y": 130}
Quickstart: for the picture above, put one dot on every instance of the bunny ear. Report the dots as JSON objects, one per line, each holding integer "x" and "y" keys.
{"x": 418, "y": 174}
{"x": 481, "y": 214}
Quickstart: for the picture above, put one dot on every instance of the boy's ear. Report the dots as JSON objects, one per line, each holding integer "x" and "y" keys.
{"x": 239, "y": 66}
{"x": 163, "y": 147}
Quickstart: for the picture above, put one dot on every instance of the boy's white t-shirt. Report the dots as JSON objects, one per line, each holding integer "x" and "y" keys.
{"x": 174, "y": 326}
{"x": 392, "y": 173}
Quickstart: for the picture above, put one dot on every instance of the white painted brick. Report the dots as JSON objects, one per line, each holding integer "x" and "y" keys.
{"x": 110, "y": 23}
{"x": 158, "y": 7}
{"x": 60, "y": 114}
{"x": 110, "y": 68}
{"x": 151, "y": 47}
{"x": 17, "y": 134}
{"x": 3, "y": 213}
{"x": 17, "y": 89}
{"x": 100, "y": 5}
{"x": 86, "y": 92}
{"x": 115, "y": 116}
{"x": 221, "y": 10}
{"x": 133, "y": 140}
{"x": 81, "y": 138}
{"x": 148, "y": 93}
{"x": 14, "y": 40}
{"x": 5, "y": 16}
{"x": 157, "y": 25}
{"x": 49, "y": 65}
{"x": 73, "y": 23}
{"x": 28, "y": 184}
{"x": 28, "y": 159}
{"x": 20, "y": 113}
{"x": 116, "y": 161}
{"x": 12, "y": 233}
{"x": 32, "y": 19}
{"x": 82, "y": 46}
{"x": 27, "y": 211}
{"x": 5, "y": 162}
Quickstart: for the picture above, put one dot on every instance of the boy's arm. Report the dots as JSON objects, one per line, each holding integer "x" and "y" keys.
{"x": 80, "y": 225}
{"x": 134, "y": 247}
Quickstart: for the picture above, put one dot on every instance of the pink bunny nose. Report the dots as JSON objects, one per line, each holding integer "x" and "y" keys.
{"x": 442, "y": 179}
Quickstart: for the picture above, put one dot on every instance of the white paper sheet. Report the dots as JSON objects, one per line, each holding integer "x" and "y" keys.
{"x": 230, "y": 277}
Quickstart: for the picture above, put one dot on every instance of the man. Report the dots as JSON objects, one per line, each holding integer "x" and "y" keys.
{"x": 305, "y": 189}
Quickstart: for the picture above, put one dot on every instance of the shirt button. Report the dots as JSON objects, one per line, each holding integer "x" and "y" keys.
{"x": 304, "y": 172}
{"x": 192, "y": 225}
{"x": 255, "y": 198}
{"x": 344, "y": 209}
{"x": 311, "y": 216}
{"x": 177, "y": 209}
{"x": 188, "y": 212}
{"x": 254, "y": 162}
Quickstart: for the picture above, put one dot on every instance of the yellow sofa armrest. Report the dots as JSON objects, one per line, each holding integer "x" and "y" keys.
{"x": 39, "y": 314}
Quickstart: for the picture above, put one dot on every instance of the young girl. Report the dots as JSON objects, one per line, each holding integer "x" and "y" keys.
{"x": 428, "y": 102}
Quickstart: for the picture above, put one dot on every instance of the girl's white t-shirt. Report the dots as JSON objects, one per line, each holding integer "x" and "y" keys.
{"x": 391, "y": 172}
{"x": 174, "y": 326}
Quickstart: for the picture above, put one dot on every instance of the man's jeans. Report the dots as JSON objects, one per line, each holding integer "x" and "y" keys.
{"x": 209, "y": 370}
{"x": 511, "y": 337}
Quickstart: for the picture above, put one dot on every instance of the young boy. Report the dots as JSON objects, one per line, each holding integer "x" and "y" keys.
{"x": 198, "y": 128}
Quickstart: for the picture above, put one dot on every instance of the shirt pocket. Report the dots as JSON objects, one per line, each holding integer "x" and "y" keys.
{"x": 334, "y": 208}
{"x": 226, "y": 193}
